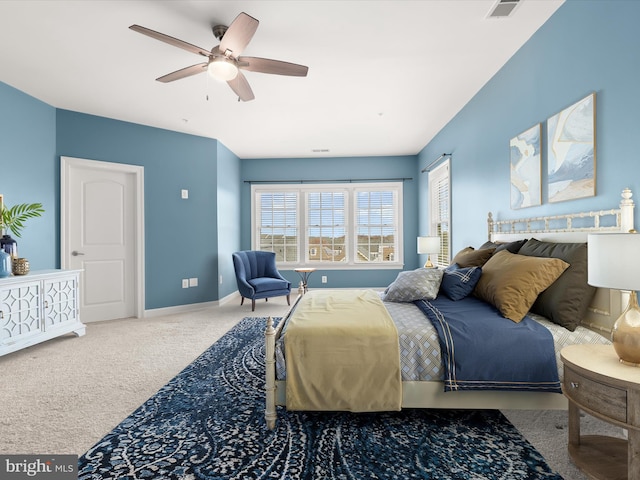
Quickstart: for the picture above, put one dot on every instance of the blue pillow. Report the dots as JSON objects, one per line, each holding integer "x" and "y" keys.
{"x": 458, "y": 282}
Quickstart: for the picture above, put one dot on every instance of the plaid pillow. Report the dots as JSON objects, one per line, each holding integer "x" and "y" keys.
{"x": 458, "y": 282}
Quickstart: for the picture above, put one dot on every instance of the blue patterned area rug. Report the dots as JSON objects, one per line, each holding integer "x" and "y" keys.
{"x": 208, "y": 423}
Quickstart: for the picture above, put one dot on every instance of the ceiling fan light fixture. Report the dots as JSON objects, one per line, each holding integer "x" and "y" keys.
{"x": 222, "y": 69}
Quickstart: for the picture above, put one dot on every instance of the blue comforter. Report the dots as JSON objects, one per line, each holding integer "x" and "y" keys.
{"x": 482, "y": 350}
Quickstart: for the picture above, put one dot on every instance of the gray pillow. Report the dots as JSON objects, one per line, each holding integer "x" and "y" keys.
{"x": 564, "y": 302}
{"x": 412, "y": 285}
{"x": 513, "y": 247}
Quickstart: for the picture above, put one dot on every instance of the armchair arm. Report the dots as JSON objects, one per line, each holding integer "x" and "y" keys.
{"x": 244, "y": 287}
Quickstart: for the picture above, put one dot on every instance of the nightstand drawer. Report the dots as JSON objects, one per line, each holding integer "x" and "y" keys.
{"x": 598, "y": 397}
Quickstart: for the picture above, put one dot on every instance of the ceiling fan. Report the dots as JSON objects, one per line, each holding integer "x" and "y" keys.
{"x": 224, "y": 61}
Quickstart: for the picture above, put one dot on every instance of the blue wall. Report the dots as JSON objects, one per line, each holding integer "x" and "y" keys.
{"x": 28, "y": 171}
{"x": 356, "y": 168}
{"x": 586, "y": 46}
{"x": 229, "y": 199}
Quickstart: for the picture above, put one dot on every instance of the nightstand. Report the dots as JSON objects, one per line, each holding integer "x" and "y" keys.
{"x": 596, "y": 382}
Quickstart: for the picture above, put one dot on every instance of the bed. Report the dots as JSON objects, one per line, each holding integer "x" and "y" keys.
{"x": 425, "y": 385}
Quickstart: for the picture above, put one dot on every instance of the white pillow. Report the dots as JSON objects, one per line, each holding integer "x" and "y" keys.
{"x": 412, "y": 285}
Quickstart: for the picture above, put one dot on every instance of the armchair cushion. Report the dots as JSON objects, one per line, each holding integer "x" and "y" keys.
{"x": 267, "y": 284}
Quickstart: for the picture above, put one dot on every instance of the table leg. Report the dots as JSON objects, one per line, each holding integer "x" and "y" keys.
{"x": 574, "y": 424}
{"x": 304, "y": 276}
{"x": 633, "y": 466}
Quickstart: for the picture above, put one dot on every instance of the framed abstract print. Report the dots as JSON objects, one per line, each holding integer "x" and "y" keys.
{"x": 571, "y": 151}
{"x": 526, "y": 167}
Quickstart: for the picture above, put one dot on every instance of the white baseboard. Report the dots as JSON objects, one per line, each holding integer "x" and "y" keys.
{"x": 192, "y": 307}
{"x": 235, "y": 296}
{"x": 158, "y": 312}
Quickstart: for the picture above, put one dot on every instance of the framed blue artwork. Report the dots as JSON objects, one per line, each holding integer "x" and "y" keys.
{"x": 571, "y": 151}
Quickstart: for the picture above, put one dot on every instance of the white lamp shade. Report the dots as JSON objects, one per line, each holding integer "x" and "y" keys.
{"x": 222, "y": 69}
{"x": 614, "y": 260}
{"x": 428, "y": 245}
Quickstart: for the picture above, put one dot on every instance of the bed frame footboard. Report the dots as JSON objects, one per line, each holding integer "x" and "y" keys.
{"x": 270, "y": 413}
{"x": 271, "y": 335}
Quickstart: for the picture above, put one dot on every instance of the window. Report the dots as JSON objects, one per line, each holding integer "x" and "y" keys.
{"x": 376, "y": 234}
{"x": 440, "y": 211}
{"x": 326, "y": 226}
{"x": 329, "y": 225}
{"x": 278, "y": 232}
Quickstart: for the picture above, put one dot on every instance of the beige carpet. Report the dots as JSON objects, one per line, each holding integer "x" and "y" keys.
{"x": 64, "y": 395}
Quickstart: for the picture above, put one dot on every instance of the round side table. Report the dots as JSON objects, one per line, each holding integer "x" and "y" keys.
{"x": 304, "y": 276}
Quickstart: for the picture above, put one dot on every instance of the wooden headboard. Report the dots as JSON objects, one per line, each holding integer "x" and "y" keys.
{"x": 606, "y": 305}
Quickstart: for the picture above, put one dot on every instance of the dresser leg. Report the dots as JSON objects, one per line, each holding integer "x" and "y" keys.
{"x": 574, "y": 424}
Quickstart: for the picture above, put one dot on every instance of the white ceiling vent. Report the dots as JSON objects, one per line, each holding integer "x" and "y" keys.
{"x": 503, "y": 8}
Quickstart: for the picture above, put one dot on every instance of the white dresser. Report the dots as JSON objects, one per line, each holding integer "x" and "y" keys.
{"x": 37, "y": 307}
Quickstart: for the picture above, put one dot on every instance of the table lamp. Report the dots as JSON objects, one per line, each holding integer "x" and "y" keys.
{"x": 428, "y": 245}
{"x": 614, "y": 262}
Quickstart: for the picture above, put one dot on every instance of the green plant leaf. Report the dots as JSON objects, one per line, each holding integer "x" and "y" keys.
{"x": 13, "y": 218}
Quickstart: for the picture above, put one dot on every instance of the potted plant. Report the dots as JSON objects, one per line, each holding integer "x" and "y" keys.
{"x": 12, "y": 219}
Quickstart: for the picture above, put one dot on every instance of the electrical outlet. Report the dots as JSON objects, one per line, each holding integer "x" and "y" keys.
{"x": 184, "y": 193}
{"x": 185, "y": 283}
{"x": 193, "y": 282}
{"x": 220, "y": 279}
{"x": 324, "y": 279}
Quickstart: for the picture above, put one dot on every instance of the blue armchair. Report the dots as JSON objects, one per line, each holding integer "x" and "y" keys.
{"x": 258, "y": 277}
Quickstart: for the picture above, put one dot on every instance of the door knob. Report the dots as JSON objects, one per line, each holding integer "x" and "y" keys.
{"x": 75, "y": 253}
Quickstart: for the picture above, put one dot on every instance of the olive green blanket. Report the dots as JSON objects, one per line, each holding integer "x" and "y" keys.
{"x": 342, "y": 353}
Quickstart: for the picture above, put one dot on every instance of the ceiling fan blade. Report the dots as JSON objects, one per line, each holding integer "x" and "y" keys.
{"x": 183, "y": 72}
{"x": 240, "y": 85}
{"x": 277, "y": 67}
{"x": 170, "y": 40}
{"x": 239, "y": 34}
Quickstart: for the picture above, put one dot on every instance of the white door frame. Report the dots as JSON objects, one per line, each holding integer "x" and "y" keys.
{"x": 66, "y": 163}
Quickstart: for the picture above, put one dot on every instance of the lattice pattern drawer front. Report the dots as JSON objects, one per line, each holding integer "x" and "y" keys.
{"x": 19, "y": 312}
{"x": 60, "y": 302}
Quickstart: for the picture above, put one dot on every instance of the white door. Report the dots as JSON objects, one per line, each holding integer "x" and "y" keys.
{"x": 101, "y": 233}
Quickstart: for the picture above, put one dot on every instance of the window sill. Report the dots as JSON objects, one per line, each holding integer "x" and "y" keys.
{"x": 342, "y": 266}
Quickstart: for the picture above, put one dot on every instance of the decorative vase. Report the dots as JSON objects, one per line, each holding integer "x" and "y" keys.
{"x": 9, "y": 245}
{"x": 5, "y": 264}
{"x": 20, "y": 266}
{"x": 625, "y": 335}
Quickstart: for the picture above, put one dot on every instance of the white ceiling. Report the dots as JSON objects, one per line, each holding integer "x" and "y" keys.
{"x": 384, "y": 76}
